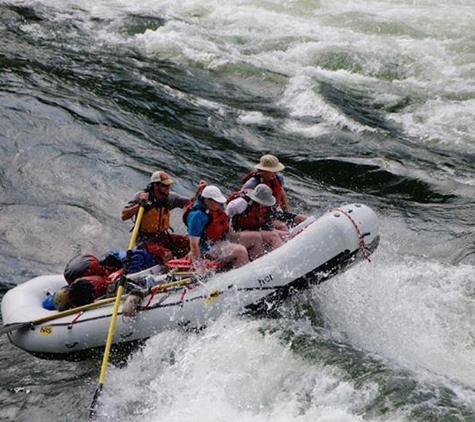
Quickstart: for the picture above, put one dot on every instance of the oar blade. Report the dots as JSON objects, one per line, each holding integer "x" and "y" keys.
{"x": 95, "y": 402}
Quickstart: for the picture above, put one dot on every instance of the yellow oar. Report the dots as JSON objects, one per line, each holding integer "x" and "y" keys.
{"x": 20, "y": 325}
{"x": 110, "y": 335}
{"x": 164, "y": 287}
{"x": 97, "y": 304}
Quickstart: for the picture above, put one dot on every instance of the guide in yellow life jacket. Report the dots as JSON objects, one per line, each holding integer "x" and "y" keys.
{"x": 154, "y": 231}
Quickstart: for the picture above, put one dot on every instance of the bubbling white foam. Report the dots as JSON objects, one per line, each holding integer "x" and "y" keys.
{"x": 416, "y": 312}
{"x": 418, "y": 54}
{"x": 231, "y": 372}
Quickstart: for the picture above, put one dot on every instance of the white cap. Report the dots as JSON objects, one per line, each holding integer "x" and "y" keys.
{"x": 213, "y": 192}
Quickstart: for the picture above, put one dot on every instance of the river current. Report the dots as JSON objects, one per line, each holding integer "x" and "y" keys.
{"x": 367, "y": 101}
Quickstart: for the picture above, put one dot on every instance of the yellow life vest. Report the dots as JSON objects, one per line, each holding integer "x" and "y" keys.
{"x": 155, "y": 220}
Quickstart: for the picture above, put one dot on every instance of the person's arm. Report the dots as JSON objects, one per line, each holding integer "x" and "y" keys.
{"x": 129, "y": 211}
{"x": 197, "y": 221}
{"x": 284, "y": 202}
{"x": 235, "y": 207}
{"x": 250, "y": 184}
{"x": 178, "y": 201}
{"x": 132, "y": 208}
{"x": 195, "y": 252}
{"x": 201, "y": 185}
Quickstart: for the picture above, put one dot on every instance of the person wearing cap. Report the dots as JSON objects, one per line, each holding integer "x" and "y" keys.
{"x": 251, "y": 209}
{"x": 154, "y": 231}
{"x": 268, "y": 172}
{"x": 208, "y": 230}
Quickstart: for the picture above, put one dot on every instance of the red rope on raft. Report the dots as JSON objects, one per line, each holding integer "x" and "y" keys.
{"x": 149, "y": 300}
{"x": 358, "y": 231}
{"x": 77, "y": 317}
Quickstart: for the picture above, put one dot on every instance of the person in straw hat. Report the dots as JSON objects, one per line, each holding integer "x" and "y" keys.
{"x": 251, "y": 209}
{"x": 154, "y": 231}
{"x": 268, "y": 172}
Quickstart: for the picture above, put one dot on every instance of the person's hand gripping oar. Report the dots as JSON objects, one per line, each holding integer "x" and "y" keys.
{"x": 110, "y": 335}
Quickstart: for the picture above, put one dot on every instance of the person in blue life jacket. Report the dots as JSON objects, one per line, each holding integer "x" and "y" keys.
{"x": 155, "y": 231}
{"x": 251, "y": 209}
{"x": 268, "y": 171}
{"x": 210, "y": 238}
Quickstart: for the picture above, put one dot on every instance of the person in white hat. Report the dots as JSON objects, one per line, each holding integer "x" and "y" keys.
{"x": 154, "y": 231}
{"x": 268, "y": 172}
{"x": 208, "y": 230}
{"x": 251, "y": 209}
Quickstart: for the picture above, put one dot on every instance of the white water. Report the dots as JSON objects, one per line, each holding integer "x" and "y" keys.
{"x": 408, "y": 307}
{"x": 231, "y": 372}
{"x": 389, "y": 50}
{"x": 414, "y": 311}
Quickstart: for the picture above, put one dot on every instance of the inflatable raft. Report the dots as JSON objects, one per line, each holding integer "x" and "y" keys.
{"x": 320, "y": 250}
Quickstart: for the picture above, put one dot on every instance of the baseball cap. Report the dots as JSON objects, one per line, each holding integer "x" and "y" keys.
{"x": 161, "y": 177}
{"x": 213, "y": 192}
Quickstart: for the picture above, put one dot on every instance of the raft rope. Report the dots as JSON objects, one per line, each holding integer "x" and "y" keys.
{"x": 152, "y": 295}
{"x": 358, "y": 232}
{"x": 182, "y": 296}
{"x": 77, "y": 317}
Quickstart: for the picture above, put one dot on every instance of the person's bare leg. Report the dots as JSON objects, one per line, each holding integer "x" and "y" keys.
{"x": 252, "y": 241}
{"x": 228, "y": 252}
{"x": 271, "y": 239}
{"x": 238, "y": 255}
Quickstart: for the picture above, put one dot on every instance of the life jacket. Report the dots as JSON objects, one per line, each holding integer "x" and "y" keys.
{"x": 274, "y": 184}
{"x": 156, "y": 217}
{"x": 218, "y": 222}
{"x": 253, "y": 217}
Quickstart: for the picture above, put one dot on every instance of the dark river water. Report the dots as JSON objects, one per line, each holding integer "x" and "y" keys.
{"x": 368, "y": 101}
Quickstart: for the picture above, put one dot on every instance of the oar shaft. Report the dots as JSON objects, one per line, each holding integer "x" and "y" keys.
{"x": 110, "y": 334}
{"x": 135, "y": 232}
{"x": 93, "y": 305}
{"x": 162, "y": 287}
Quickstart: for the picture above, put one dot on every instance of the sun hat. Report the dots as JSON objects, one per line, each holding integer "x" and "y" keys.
{"x": 213, "y": 192}
{"x": 61, "y": 299}
{"x": 269, "y": 163}
{"x": 262, "y": 194}
{"x": 161, "y": 177}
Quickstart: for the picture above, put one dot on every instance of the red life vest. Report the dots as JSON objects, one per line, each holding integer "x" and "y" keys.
{"x": 274, "y": 184}
{"x": 253, "y": 217}
{"x": 218, "y": 222}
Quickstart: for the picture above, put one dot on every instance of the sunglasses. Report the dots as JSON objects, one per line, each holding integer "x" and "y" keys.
{"x": 161, "y": 185}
